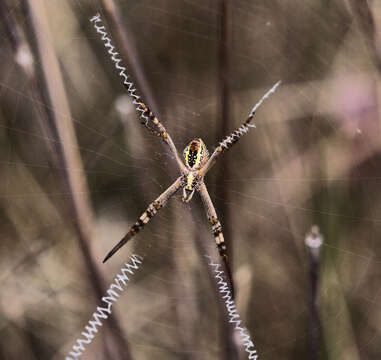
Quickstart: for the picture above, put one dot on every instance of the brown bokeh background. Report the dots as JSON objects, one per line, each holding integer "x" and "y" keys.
{"x": 77, "y": 169}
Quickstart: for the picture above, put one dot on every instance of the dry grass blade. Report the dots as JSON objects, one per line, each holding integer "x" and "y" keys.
{"x": 71, "y": 162}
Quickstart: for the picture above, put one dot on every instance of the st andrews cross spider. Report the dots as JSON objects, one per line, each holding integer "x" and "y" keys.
{"x": 196, "y": 156}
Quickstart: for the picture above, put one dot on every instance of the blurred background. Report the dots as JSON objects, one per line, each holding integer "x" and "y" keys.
{"x": 77, "y": 169}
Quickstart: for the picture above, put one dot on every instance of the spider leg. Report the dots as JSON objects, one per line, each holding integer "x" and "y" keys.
{"x": 149, "y": 120}
{"x": 150, "y": 212}
{"x": 217, "y": 232}
{"x": 231, "y": 139}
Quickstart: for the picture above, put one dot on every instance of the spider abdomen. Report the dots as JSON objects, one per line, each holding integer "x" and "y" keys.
{"x": 196, "y": 154}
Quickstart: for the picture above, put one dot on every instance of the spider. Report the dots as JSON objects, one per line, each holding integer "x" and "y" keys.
{"x": 196, "y": 166}
{"x": 192, "y": 171}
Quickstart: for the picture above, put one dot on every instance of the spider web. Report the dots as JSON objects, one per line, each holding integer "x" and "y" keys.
{"x": 312, "y": 160}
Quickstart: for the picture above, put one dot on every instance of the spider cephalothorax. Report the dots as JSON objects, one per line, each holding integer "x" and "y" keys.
{"x": 196, "y": 155}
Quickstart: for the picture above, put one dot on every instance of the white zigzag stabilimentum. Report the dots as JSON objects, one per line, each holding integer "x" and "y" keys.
{"x": 119, "y": 284}
{"x": 231, "y": 308}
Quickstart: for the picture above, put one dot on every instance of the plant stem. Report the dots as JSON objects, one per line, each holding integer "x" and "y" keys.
{"x": 70, "y": 159}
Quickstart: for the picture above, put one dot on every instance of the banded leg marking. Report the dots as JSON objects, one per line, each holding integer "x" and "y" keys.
{"x": 231, "y": 139}
{"x": 161, "y": 132}
{"x": 217, "y": 232}
{"x": 145, "y": 218}
{"x": 218, "y": 236}
{"x": 144, "y": 111}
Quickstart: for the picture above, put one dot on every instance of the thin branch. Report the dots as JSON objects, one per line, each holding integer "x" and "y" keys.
{"x": 314, "y": 241}
{"x": 363, "y": 15}
{"x": 70, "y": 158}
{"x": 23, "y": 56}
{"x": 222, "y": 192}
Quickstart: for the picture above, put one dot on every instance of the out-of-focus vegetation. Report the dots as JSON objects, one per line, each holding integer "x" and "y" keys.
{"x": 312, "y": 160}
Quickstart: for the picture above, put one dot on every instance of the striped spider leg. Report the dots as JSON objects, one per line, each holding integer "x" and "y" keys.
{"x": 222, "y": 147}
{"x": 148, "y": 119}
{"x": 150, "y": 212}
{"x": 216, "y": 231}
{"x": 151, "y": 122}
{"x": 231, "y": 139}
